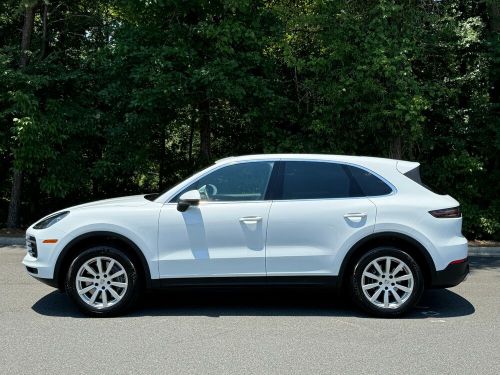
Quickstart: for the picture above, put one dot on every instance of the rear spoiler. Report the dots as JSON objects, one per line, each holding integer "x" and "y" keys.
{"x": 411, "y": 170}
{"x": 405, "y": 166}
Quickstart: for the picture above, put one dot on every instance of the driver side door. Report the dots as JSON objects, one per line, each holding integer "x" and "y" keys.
{"x": 225, "y": 235}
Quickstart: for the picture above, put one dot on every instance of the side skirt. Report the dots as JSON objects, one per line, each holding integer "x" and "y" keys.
{"x": 286, "y": 281}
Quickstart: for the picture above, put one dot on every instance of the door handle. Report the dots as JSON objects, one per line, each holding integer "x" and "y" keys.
{"x": 250, "y": 219}
{"x": 355, "y": 214}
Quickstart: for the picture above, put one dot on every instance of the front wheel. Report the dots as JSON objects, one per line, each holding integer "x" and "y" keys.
{"x": 387, "y": 282}
{"x": 102, "y": 281}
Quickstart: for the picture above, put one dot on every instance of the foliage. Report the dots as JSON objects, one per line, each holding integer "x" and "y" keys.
{"x": 129, "y": 96}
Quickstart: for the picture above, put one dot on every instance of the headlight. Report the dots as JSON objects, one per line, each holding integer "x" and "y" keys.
{"x": 51, "y": 220}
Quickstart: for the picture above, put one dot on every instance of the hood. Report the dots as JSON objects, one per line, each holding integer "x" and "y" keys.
{"x": 130, "y": 201}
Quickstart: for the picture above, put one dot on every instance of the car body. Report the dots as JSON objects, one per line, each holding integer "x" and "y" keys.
{"x": 265, "y": 219}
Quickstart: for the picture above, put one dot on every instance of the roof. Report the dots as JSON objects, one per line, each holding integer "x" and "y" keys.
{"x": 345, "y": 158}
{"x": 373, "y": 163}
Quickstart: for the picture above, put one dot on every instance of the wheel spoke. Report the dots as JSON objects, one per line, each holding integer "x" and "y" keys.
{"x": 104, "y": 299}
{"x": 90, "y": 270}
{"x": 403, "y": 288}
{"x": 94, "y": 296}
{"x": 370, "y": 286}
{"x": 85, "y": 279}
{"x": 119, "y": 285}
{"x": 115, "y": 275}
{"x": 403, "y": 278}
{"x": 386, "y": 298}
{"x": 396, "y": 296}
{"x": 377, "y": 267}
{"x": 376, "y": 294}
{"x": 114, "y": 294}
{"x": 110, "y": 266}
{"x": 85, "y": 290}
{"x": 388, "y": 265}
{"x": 371, "y": 275}
{"x": 397, "y": 269}
{"x": 99, "y": 265}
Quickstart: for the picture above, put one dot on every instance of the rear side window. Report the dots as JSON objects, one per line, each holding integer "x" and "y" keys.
{"x": 320, "y": 180}
{"x": 316, "y": 180}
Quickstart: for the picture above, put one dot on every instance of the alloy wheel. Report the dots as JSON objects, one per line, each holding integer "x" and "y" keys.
{"x": 101, "y": 282}
{"x": 387, "y": 282}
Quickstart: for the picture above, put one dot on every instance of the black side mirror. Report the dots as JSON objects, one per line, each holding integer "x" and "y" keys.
{"x": 189, "y": 198}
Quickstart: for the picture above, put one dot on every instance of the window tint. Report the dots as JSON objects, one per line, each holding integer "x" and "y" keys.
{"x": 369, "y": 184}
{"x": 414, "y": 175}
{"x": 237, "y": 182}
{"x": 316, "y": 180}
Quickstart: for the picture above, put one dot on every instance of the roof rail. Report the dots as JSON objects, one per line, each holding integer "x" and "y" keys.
{"x": 224, "y": 159}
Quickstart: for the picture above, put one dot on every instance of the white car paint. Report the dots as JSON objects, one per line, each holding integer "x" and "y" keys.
{"x": 211, "y": 240}
{"x": 285, "y": 237}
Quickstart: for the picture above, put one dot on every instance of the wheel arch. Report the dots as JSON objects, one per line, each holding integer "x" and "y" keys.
{"x": 403, "y": 241}
{"x": 95, "y": 238}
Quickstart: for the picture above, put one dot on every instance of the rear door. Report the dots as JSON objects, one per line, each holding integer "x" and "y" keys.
{"x": 318, "y": 207}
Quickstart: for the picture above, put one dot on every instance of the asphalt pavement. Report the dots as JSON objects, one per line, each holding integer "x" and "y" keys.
{"x": 249, "y": 331}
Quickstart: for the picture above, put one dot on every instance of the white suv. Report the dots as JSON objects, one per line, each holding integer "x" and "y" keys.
{"x": 365, "y": 225}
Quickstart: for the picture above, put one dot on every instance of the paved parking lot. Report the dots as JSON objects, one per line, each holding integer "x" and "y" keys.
{"x": 251, "y": 331}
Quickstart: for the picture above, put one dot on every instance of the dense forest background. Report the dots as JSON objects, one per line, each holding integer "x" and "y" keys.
{"x": 102, "y": 98}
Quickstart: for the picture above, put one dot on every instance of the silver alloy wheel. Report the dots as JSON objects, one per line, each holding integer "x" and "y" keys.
{"x": 387, "y": 282}
{"x": 101, "y": 282}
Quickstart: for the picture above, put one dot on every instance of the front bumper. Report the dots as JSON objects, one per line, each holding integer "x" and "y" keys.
{"x": 39, "y": 258}
{"x": 49, "y": 282}
{"x": 452, "y": 275}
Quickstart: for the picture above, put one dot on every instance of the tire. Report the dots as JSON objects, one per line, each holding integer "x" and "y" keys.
{"x": 97, "y": 293}
{"x": 387, "y": 294}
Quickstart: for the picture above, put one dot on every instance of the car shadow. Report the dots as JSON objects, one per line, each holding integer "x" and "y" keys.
{"x": 259, "y": 302}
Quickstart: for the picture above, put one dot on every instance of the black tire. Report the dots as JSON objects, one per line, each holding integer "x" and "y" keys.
{"x": 363, "y": 301}
{"x": 130, "y": 295}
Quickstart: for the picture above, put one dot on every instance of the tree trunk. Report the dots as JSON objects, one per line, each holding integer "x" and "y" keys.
{"x": 205, "y": 144}
{"x": 396, "y": 151}
{"x": 45, "y": 40}
{"x": 15, "y": 200}
{"x": 190, "y": 146}
{"x": 29, "y": 17}
{"x": 162, "y": 157}
{"x": 17, "y": 178}
{"x": 494, "y": 13}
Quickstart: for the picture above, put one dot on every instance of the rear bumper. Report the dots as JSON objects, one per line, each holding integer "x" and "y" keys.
{"x": 452, "y": 275}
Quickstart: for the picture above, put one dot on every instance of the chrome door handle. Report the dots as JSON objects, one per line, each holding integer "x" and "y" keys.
{"x": 355, "y": 214}
{"x": 250, "y": 219}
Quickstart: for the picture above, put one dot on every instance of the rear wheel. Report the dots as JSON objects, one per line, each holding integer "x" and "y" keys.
{"x": 102, "y": 281}
{"x": 387, "y": 282}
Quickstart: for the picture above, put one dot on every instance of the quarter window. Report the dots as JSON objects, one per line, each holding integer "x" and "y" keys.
{"x": 369, "y": 184}
{"x": 237, "y": 182}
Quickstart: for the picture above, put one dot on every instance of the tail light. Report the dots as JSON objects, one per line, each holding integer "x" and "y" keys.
{"x": 447, "y": 213}
{"x": 458, "y": 261}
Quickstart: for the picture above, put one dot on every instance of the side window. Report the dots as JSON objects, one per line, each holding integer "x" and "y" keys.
{"x": 316, "y": 180}
{"x": 369, "y": 184}
{"x": 320, "y": 180}
{"x": 237, "y": 182}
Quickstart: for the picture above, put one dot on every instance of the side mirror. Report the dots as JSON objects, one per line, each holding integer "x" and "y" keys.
{"x": 189, "y": 198}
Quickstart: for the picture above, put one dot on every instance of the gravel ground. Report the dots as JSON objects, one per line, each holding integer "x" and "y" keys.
{"x": 251, "y": 331}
